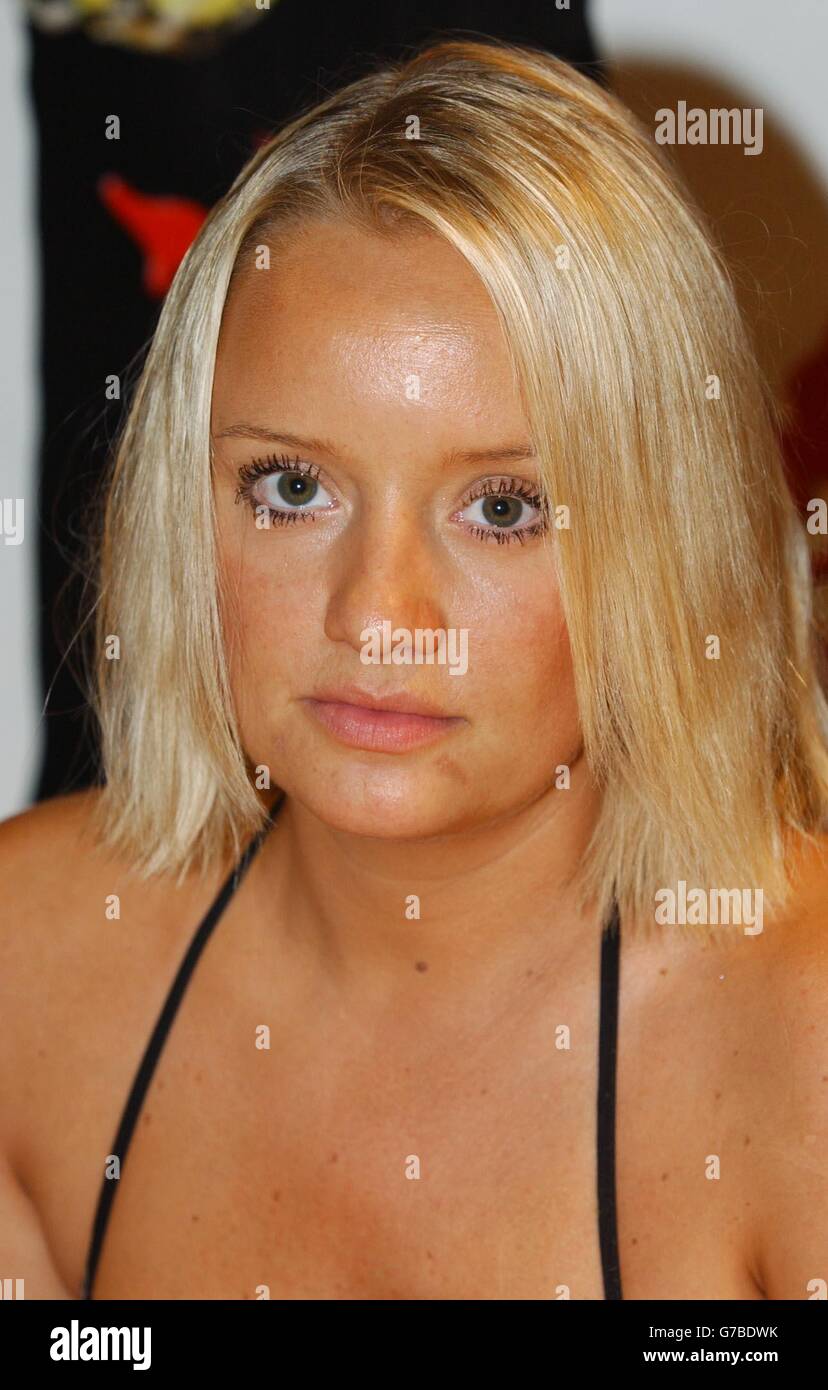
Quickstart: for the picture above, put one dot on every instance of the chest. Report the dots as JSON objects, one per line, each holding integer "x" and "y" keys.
{"x": 271, "y": 1160}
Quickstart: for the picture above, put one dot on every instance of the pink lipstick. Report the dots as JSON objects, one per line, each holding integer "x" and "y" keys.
{"x": 392, "y": 723}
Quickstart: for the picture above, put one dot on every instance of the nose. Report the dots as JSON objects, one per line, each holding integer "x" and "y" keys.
{"x": 387, "y": 570}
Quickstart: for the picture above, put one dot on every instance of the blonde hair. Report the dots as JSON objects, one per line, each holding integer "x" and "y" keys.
{"x": 619, "y": 313}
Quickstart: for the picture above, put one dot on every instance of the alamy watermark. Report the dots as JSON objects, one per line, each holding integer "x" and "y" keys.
{"x": 718, "y": 126}
{"x": 77, "y": 1343}
{"x": 419, "y": 646}
{"x": 710, "y": 907}
{"x": 11, "y": 520}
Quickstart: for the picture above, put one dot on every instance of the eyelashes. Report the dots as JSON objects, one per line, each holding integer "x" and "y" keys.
{"x": 498, "y": 497}
{"x": 290, "y": 489}
{"x": 297, "y": 485}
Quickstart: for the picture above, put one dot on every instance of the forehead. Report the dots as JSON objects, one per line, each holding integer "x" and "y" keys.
{"x": 346, "y": 316}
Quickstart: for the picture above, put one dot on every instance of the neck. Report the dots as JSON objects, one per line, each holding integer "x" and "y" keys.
{"x": 464, "y": 911}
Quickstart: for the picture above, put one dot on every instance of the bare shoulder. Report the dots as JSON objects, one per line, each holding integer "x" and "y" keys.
{"x": 742, "y": 1013}
{"x": 83, "y": 938}
{"x": 51, "y": 848}
{"x": 795, "y": 940}
{"x": 87, "y": 951}
{"x": 790, "y": 1041}
{"x": 58, "y": 874}
{"x": 51, "y": 869}
{"x": 59, "y": 880}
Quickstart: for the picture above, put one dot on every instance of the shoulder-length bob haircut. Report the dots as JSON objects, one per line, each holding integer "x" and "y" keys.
{"x": 684, "y": 572}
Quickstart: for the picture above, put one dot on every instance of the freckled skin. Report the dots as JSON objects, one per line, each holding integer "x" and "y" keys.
{"x": 323, "y": 345}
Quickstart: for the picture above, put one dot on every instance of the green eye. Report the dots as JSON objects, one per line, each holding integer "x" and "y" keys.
{"x": 502, "y": 511}
{"x": 288, "y": 487}
{"x": 296, "y": 488}
{"x": 503, "y": 507}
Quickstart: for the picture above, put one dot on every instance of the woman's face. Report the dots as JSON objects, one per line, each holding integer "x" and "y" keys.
{"x": 363, "y": 403}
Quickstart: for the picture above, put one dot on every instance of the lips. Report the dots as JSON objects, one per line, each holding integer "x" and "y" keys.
{"x": 392, "y": 723}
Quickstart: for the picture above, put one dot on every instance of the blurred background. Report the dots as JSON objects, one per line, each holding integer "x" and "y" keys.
{"x": 94, "y": 228}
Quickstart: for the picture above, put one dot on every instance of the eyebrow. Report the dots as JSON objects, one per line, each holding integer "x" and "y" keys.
{"x": 502, "y": 453}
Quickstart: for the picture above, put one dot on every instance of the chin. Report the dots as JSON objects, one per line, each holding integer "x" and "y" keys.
{"x": 381, "y": 803}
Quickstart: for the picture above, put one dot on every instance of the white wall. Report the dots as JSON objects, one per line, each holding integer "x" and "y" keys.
{"x": 769, "y": 213}
{"x": 19, "y": 707}
{"x": 776, "y": 49}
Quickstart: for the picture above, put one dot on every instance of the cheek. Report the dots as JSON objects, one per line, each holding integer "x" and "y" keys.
{"x": 524, "y": 682}
{"x": 269, "y": 612}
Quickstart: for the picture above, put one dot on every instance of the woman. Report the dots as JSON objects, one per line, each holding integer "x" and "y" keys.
{"x": 453, "y": 367}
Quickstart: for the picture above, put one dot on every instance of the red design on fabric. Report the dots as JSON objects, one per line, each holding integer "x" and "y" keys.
{"x": 161, "y": 225}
